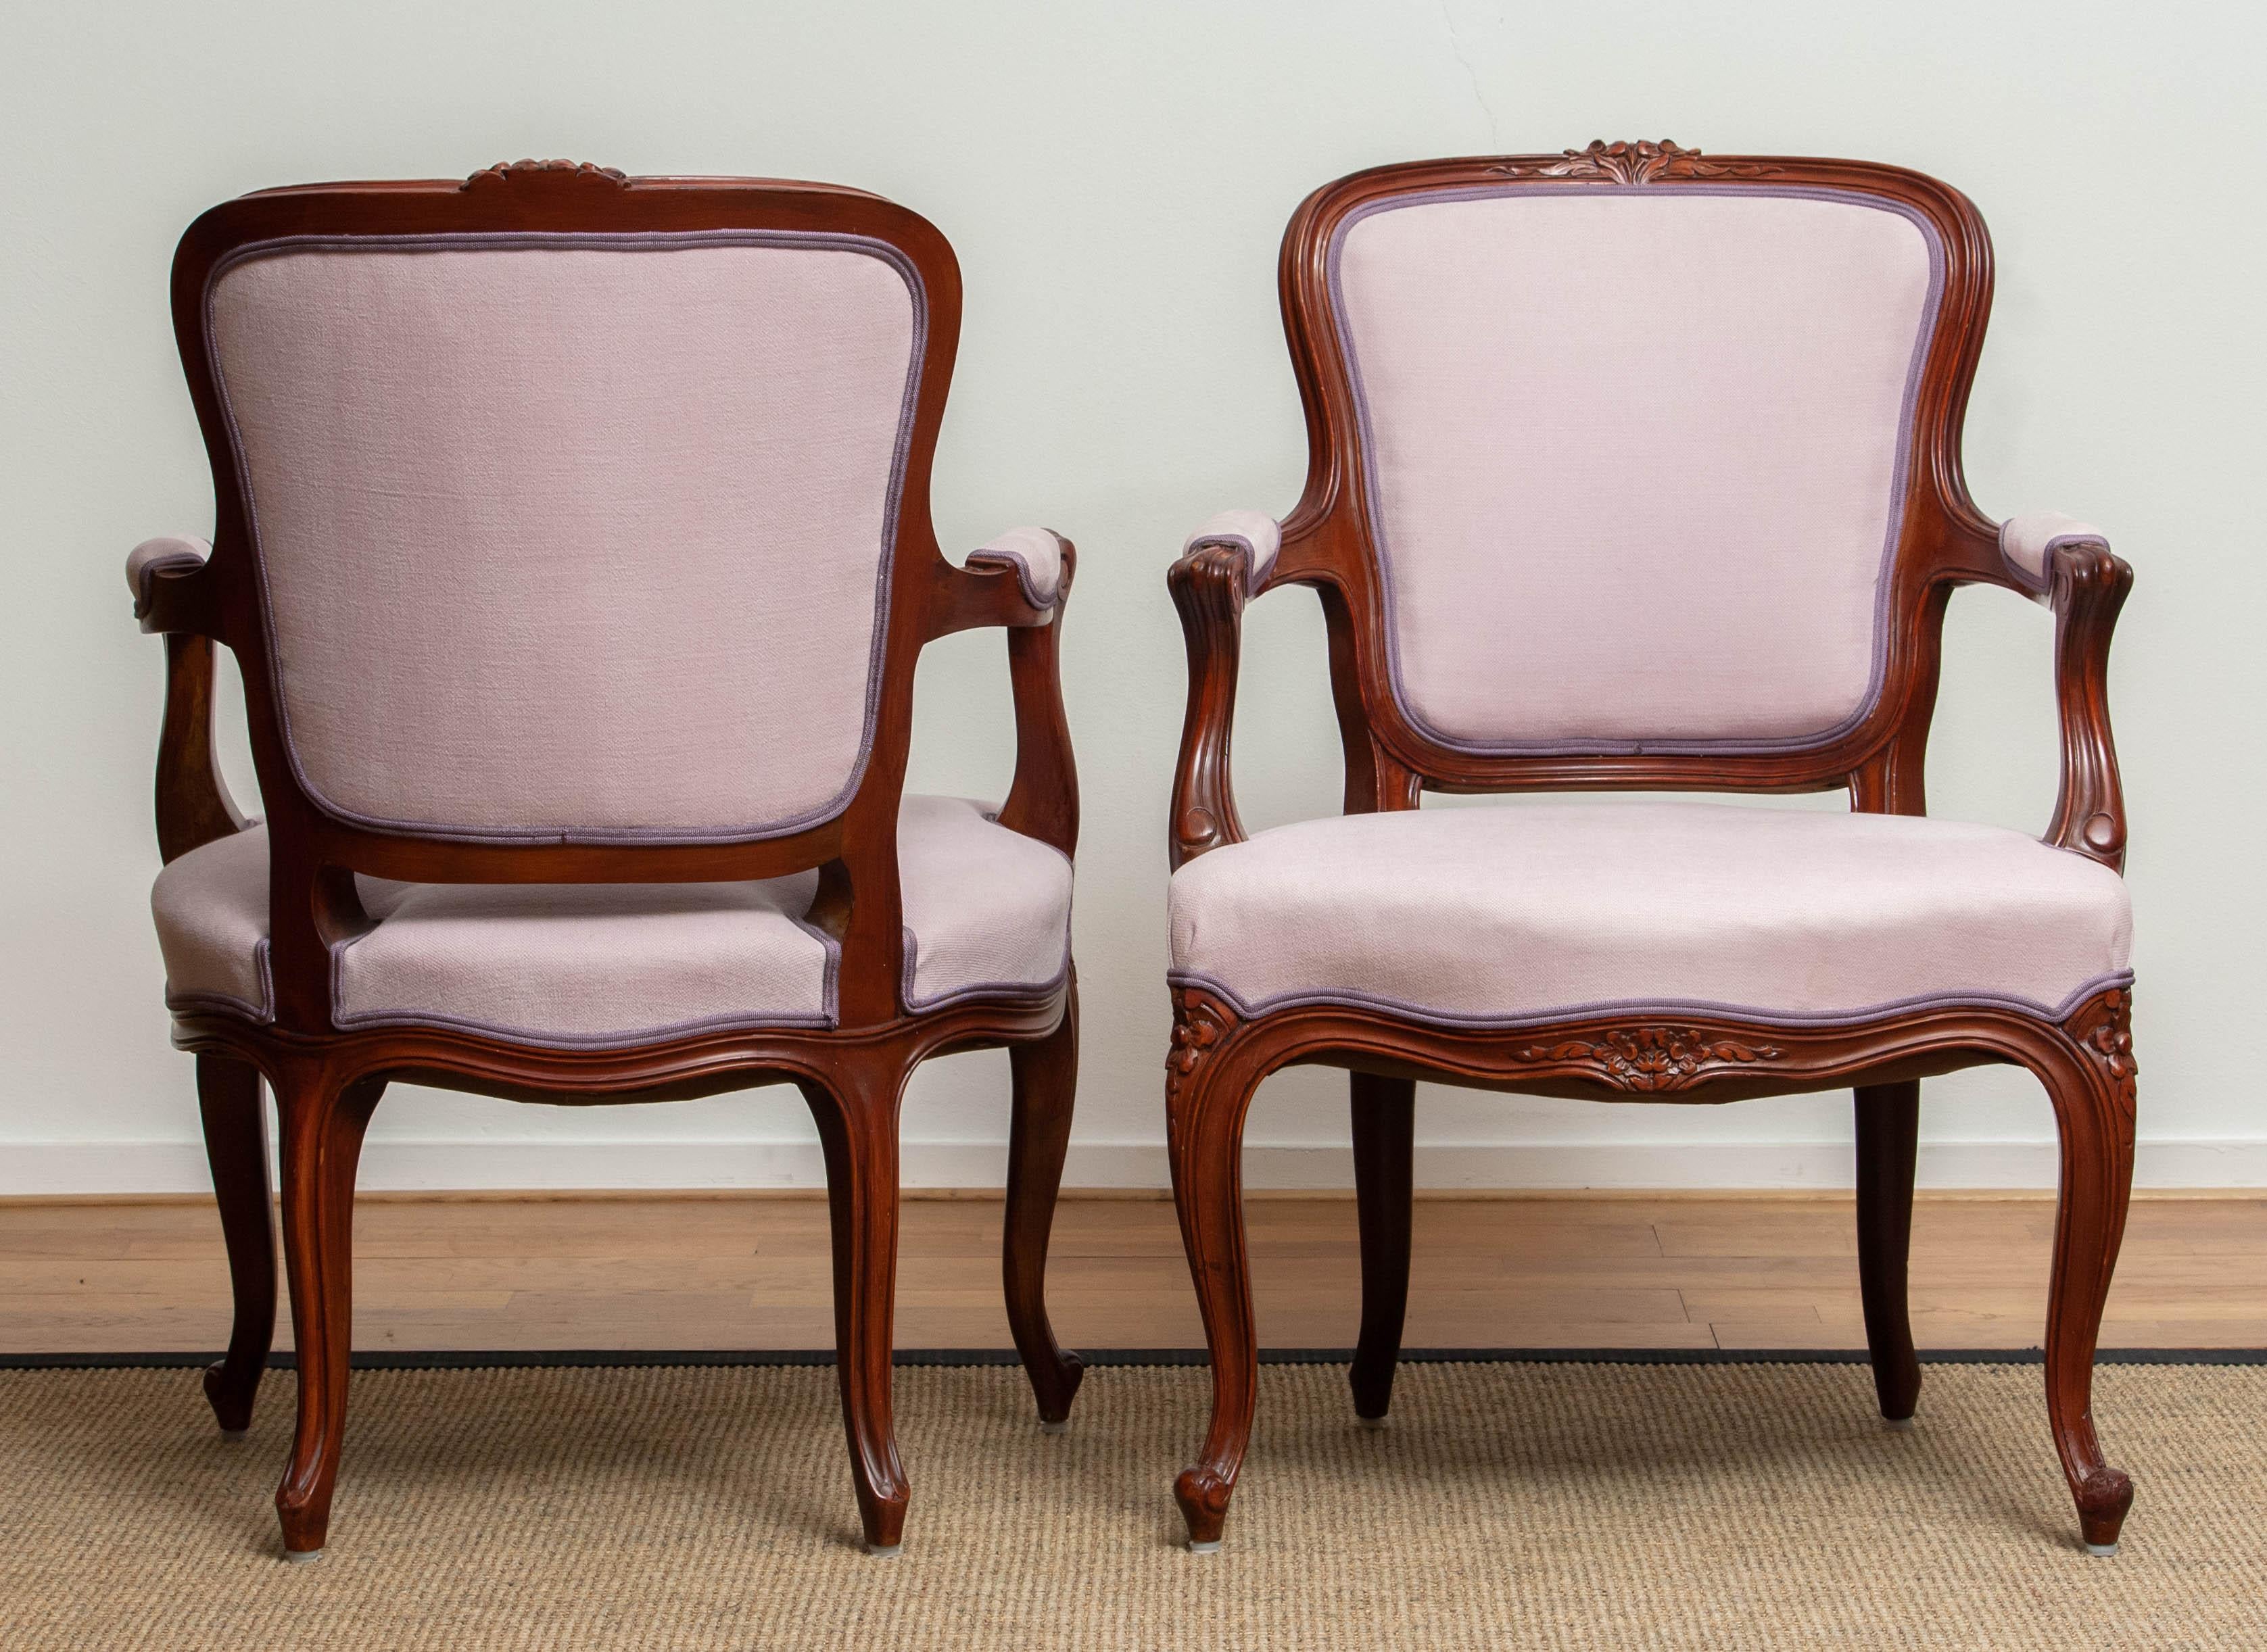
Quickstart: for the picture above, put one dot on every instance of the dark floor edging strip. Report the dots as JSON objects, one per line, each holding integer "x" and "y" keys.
{"x": 482, "y": 1359}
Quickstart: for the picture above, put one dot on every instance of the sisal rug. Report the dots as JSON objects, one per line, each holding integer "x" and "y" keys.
{"x": 1509, "y": 1505}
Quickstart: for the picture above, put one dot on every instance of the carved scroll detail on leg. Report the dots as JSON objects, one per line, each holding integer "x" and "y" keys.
{"x": 1199, "y": 1022}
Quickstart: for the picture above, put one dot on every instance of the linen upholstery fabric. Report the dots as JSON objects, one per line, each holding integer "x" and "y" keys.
{"x": 572, "y": 537}
{"x": 986, "y": 911}
{"x": 2028, "y": 542}
{"x": 1035, "y": 554}
{"x": 1256, "y": 532}
{"x": 147, "y": 559}
{"x": 1635, "y": 458}
{"x": 1524, "y": 912}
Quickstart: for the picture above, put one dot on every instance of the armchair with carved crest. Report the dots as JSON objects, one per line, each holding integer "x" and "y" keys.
{"x": 573, "y": 538}
{"x": 1636, "y": 468}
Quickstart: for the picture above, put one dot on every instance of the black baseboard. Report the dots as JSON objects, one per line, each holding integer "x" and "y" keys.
{"x": 476, "y": 1359}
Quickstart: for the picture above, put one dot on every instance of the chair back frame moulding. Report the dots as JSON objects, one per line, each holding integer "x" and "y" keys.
{"x": 1218, "y": 1058}
{"x": 327, "y": 1080}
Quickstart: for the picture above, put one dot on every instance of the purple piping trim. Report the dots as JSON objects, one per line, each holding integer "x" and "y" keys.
{"x": 263, "y": 1011}
{"x": 980, "y": 988}
{"x": 146, "y": 576}
{"x": 829, "y": 988}
{"x": 1899, "y": 480}
{"x": 2037, "y": 585}
{"x": 1014, "y": 559}
{"x": 586, "y": 1041}
{"x": 827, "y": 1016}
{"x": 1647, "y": 1008}
{"x": 543, "y": 240}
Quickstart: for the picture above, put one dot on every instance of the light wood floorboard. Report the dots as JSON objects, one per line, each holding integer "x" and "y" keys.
{"x": 1609, "y": 1271}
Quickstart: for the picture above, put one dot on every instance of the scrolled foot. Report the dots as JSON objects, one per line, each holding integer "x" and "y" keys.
{"x": 2103, "y": 1496}
{"x": 1055, "y": 1396}
{"x": 230, "y": 1399}
{"x": 1203, "y": 1495}
{"x": 306, "y": 1521}
{"x": 883, "y": 1520}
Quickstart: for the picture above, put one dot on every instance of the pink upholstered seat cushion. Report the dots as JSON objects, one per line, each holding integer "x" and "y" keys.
{"x": 987, "y": 910}
{"x": 1635, "y": 457}
{"x": 1522, "y": 912}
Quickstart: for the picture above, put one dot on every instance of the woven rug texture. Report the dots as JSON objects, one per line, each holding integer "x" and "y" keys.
{"x": 1509, "y": 1505}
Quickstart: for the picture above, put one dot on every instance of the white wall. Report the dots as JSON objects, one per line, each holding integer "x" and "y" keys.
{"x": 1115, "y": 180}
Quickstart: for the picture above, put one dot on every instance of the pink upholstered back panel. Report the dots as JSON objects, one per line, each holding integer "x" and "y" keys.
{"x": 1636, "y": 454}
{"x": 574, "y": 536}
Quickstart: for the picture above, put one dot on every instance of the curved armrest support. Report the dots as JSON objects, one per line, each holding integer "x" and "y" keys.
{"x": 172, "y": 596}
{"x": 1043, "y": 799}
{"x": 193, "y": 807}
{"x": 2085, "y": 583}
{"x": 171, "y": 591}
{"x": 1224, "y": 565}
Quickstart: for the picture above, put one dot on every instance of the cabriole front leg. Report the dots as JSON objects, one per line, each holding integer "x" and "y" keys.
{"x": 2091, "y": 1076}
{"x": 1207, "y": 1092}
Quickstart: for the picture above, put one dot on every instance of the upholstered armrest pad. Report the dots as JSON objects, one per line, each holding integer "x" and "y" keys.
{"x": 2028, "y": 544}
{"x": 1037, "y": 556}
{"x": 1256, "y": 532}
{"x": 153, "y": 557}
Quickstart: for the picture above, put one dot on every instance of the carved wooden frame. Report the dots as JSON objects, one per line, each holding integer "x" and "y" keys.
{"x": 328, "y": 1081}
{"x": 1217, "y": 1057}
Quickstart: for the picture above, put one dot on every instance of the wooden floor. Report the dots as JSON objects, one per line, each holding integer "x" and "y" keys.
{"x": 608, "y": 1272}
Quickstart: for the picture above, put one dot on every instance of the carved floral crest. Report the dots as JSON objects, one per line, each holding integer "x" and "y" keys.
{"x": 1651, "y": 1060}
{"x": 560, "y": 171}
{"x": 1639, "y": 163}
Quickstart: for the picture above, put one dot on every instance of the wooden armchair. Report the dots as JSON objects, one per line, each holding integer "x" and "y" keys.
{"x": 574, "y": 539}
{"x": 1635, "y": 468}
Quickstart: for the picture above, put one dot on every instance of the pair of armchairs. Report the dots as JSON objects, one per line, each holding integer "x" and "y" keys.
{"x": 573, "y": 537}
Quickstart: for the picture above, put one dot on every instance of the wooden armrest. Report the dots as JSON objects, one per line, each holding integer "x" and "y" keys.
{"x": 1210, "y": 585}
{"x": 1018, "y": 579}
{"x": 2085, "y": 586}
{"x": 172, "y": 592}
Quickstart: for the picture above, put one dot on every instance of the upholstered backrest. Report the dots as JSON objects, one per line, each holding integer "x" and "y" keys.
{"x": 1634, "y": 457}
{"x": 581, "y": 537}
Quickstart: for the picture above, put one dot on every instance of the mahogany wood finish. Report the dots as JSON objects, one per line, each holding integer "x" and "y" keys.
{"x": 327, "y": 1082}
{"x": 236, "y": 1143}
{"x": 1216, "y": 1059}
